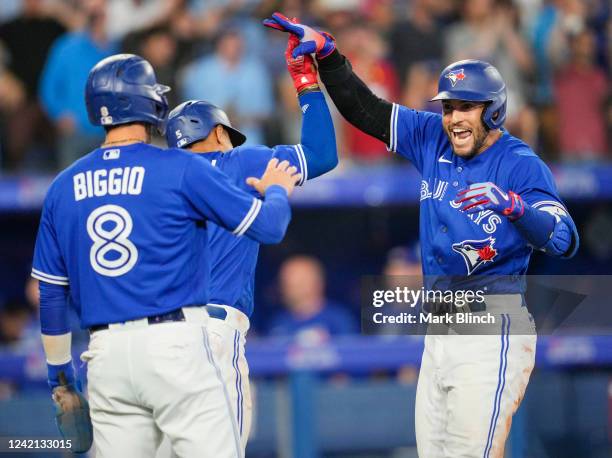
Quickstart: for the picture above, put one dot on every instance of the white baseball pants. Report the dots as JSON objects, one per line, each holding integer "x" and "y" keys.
{"x": 227, "y": 339}
{"x": 470, "y": 386}
{"x": 148, "y": 380}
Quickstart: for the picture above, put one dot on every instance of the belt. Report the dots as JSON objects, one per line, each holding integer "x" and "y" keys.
{"x": 441, "y": 308}
{"x": 497, "y": 303}
{"x": 175, "y": 315}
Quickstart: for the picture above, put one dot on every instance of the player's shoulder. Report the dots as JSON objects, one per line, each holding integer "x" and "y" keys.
{"x": 515, "y": 147}
{"x": 516, "y": 152}
{"x": 249, "y": 156}
{"x": 521, "y": 161}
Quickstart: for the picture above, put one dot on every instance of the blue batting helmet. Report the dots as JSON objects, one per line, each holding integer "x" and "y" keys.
{"x": 193, "y": 121}
{"x": 475, "y": 81}
{"x": 122, "y": 89}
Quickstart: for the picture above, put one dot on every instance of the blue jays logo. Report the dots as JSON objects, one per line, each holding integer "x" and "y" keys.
{"x": 476, "y": 252}
{"x": 455, "y": 75}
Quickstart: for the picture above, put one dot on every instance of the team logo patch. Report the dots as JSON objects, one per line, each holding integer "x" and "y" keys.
{"x": 455, "y": 75}
{"x": 476, "y": 252}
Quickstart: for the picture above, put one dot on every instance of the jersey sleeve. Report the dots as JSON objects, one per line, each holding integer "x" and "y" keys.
{"x": 415, "y": 133}
{"x": 253, "y": 160}
{"x": 211, "y": 195}
{"x": 48, "y": 264}
{"x": 533, "y": 181}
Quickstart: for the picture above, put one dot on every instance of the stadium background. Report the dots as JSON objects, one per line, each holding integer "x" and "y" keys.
{"x": 319, "y": 392}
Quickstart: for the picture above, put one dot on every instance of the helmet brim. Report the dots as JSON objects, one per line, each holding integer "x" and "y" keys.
{"x": 467, "y": 96}
{"x": 237, "y": 138}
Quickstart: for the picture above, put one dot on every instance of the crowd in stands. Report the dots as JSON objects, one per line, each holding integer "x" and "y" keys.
{"x": 555, "y": 56}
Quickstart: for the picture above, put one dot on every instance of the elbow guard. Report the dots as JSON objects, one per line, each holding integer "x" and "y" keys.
{"x": 563, "y": 241}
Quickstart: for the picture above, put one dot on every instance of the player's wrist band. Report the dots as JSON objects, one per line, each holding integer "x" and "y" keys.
{"x": 55, "y": 371}
{"x": 311, "y": 88}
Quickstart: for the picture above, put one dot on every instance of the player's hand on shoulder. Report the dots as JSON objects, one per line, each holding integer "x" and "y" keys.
{"x": 282, "y": 174}
{"x": 311, "y": 40}
{"x": 488, "y": 196}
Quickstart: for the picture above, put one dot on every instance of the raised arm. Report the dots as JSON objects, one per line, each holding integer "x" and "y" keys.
{"x": 318, "y": 141}
{"x": 355, "y": 101}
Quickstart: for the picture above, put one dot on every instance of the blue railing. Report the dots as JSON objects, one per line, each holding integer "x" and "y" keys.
{"x": 354, "y": 186}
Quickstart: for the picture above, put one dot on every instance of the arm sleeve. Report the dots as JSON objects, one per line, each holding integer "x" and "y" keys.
{"x": 318, "y": 142}
{"x": 355, "y": 101}
{"x": 53, "y": 309}
{"x": 211, "y": 195}
{"x": 408, "y": 132}
{"x": 546, "y": 223}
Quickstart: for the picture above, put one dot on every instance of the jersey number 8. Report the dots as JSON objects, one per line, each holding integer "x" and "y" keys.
{"x": 112, "y": 253}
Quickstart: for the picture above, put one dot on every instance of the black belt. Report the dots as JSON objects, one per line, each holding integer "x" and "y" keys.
{"x": 442, "y": 308}
{"x": 175, "y": 315}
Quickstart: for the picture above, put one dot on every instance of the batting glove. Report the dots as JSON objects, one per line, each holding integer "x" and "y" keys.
{"x": 301, "y": 68}
{"x": 488, "y": 196}
{"x": 311, "y": 40}
{"x": 71, "y": 408}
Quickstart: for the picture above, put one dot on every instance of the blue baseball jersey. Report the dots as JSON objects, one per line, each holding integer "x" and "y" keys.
{"x": 126, "y": 229}
{"x": 454, "y": 243}
{"x": 234, "y": 259}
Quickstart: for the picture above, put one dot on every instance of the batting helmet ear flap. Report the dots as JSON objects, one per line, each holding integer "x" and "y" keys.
{"x": 494, "y": 115}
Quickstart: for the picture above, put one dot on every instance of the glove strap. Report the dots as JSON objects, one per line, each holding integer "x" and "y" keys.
{"x": 517, "y": 207}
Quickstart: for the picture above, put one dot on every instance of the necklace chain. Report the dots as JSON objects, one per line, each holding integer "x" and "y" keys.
{"x": 124, "y": 141}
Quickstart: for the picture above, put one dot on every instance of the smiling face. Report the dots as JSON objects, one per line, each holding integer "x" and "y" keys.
{"x": 463, "y": 125}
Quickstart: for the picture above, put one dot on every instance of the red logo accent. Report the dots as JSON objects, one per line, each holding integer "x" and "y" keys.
{"x": 487, "y": 253}
{"x": 455, "y": 75}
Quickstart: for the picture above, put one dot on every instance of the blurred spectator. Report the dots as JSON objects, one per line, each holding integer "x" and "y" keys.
{"x": 310, "y": 316}
{"x": 159, "y": 46}
{"x": 31, "y": 33}
{"x": 336, "y": 15}
{"x": 237, "y": 82}
{"x": 32, "y": 293}
{"x": 63, "y": 83}
{"x": 366, "y": 50}
{"x": 404, "y": 262}
{"x": 408, "y": 37}
{"x": 421, "y": 85}
{"x": 10, "y": 9}
{"x": 553, "y": 24}
{"x": 379, "y": 14}
{"x": 402, "y": 269}
{"x": 488, "y": 31}
{"x": 581, "y": 89}
{"x": 126, "y": 16}
{"x": 16, "y": 322}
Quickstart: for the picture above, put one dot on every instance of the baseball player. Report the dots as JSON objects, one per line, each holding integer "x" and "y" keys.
{"x": 123, "y": 233}
{"x": 201, "y": 127}
{"x": 487, "y": 201}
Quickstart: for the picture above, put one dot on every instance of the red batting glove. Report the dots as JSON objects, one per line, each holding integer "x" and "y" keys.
{"x": 302, "y": 69}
